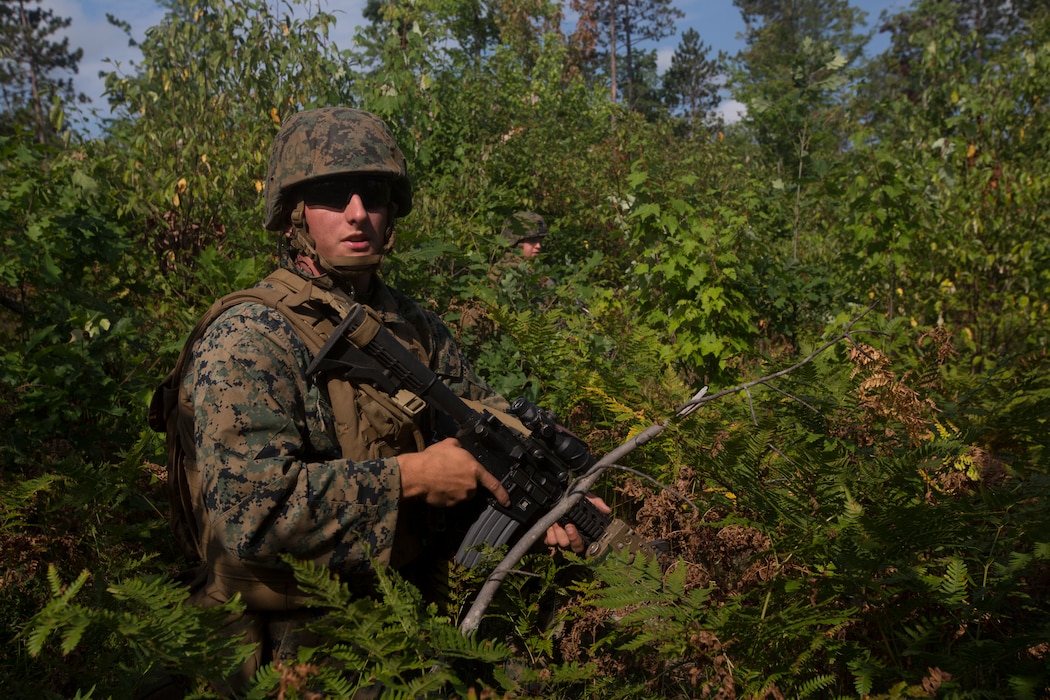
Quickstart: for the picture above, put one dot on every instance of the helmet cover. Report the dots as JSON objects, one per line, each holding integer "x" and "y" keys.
{"x": 329, "y": 142}
{"x": 523, "y": 226}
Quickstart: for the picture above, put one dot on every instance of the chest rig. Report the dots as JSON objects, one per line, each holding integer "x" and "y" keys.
{"x": 369, "y": 424}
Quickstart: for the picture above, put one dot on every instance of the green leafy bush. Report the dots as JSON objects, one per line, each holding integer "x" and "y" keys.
{"x": 870, "y": 524}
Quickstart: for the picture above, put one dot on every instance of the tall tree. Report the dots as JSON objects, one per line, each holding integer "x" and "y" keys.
{"x": 789, "y": 46}
{"x": 612, "y": 24}
{"x": 470, "y": 24}
{"x": 994, "y": 19}
{"x": 524, "y": 23}
{"x": 465, "y": 29}
{"x": 949, "y": 181}
{"x": 32, "y": 66}
{"x": 799, "y": 57}
{"x": 690, "y": 84}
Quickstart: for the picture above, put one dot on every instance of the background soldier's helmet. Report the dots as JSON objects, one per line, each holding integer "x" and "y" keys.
{"x": 329, "y": 142}
{"x": 523, "y": 226}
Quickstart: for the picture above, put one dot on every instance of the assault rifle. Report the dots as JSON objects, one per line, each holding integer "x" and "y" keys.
{"x": 534, "y": 468}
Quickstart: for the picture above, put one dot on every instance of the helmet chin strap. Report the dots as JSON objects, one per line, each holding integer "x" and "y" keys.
{"x": 339, "y": 269}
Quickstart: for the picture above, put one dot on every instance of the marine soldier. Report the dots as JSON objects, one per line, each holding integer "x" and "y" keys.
{"x": 525, "y": 231}
{"x": 516, "y": 272}
{"x": 267, "y": 461}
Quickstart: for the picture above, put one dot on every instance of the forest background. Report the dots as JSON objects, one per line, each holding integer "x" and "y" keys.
{"x": 872, "y": 522}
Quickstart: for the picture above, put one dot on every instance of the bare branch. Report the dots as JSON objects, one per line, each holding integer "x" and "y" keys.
{"x": 472, "y": 619}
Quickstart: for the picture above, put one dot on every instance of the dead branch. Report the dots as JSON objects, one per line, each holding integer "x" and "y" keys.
{"x": 581, "y": 486}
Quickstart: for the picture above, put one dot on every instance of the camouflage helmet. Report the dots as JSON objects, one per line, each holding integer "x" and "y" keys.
{"x": 523, "y": 226}
{"x": 328, "y": 142}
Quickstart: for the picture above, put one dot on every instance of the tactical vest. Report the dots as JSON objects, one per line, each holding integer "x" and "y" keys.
{"x": 369, "y": 425}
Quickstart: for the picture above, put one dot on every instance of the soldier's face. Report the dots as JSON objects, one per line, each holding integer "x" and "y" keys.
{"x": 531, "y": 248}
{"x": 351, "y": 224}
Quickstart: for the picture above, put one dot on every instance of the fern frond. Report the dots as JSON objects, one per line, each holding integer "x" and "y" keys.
{"x": 17, "y": 497}
{"x": 816, "y": 684}
{"x": 317, "y": 581}
{"x": 955, "y": 583}
{"x": 449, "y": 641}
{"x": 628, "y": 583}
{"x": 59, "y": 612}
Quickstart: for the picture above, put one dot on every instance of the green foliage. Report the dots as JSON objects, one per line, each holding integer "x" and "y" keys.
{"x": 791, "y": 76}
{"x": 150, "y": 636}
{"x": 937, "y": 215}
{"x": 147, "y": 626}
{"x": 67, "y": 370}
{"x": 19, "y": 497}
{"x": 873, "y": 523}
{"x": 689, "y": 274}
{"x": 851, "y": 529}
{"x": 211, "y": 69}
{"x": 393, "y": 641}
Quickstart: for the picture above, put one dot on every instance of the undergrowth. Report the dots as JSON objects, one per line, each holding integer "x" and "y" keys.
{"x": 855, "y": 529}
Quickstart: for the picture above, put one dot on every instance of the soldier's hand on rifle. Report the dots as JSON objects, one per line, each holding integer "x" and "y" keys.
{"x": 445, "y": 474}
{"x": 568, "y": 536}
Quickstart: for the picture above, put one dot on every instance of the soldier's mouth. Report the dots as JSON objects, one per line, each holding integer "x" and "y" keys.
{"x": 358, "y": 245}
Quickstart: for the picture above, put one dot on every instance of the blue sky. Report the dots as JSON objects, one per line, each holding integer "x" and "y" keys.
{"x": 717, "y": 21}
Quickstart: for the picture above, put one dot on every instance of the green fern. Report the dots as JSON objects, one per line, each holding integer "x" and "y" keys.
{"x": 629, "y": 583}
{"x": 656, "y": 618}
{"x": 955, "y": 583}
{"x": 147, "y": 618}
{"x": 815, "y": 685}
{"x": 59, "y": 614}
{"x": 18, "y": 497}
{"x": 394, "y": 641}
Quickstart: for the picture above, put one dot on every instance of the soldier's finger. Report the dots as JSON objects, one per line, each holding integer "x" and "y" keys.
{"x": 494, "y": 486}
{"x": 575, "y": 539}
{"x": 599, "y": 503}
{"x": 556, "y": 535}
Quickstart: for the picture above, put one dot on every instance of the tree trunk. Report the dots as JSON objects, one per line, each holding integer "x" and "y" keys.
{"x": 38, "y": 108}
{"x": 612, "y": 48}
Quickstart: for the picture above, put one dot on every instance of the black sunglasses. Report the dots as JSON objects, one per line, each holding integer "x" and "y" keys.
{"x": 336, "y": 194}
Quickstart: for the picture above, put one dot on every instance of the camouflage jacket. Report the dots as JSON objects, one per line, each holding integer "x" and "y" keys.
{"x": 272, "y": 478}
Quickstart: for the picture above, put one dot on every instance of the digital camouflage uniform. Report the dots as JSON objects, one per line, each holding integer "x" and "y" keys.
{"x": 265, "y": 461}
{"x": 272, "y": 476}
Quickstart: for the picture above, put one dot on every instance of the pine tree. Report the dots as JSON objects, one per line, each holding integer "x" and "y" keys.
{"x": 612, "y": 24}
{"x": 691, "y": 82}
{"x": 32, "y": 64}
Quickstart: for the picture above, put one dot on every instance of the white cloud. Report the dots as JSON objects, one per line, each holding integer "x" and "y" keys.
{"x": 663, "y": 58}
{"x": 732, "y": 111}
